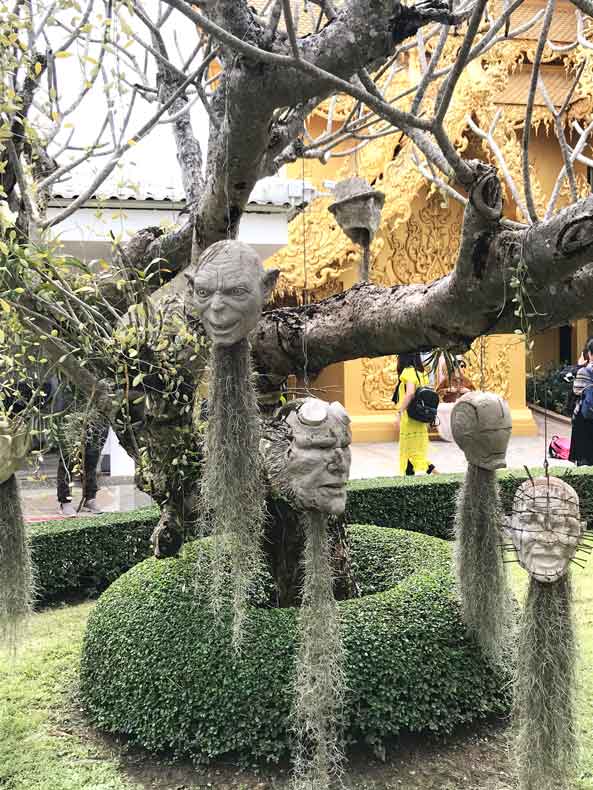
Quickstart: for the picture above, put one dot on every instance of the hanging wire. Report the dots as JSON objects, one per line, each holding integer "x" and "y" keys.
{"x": 546, "y": 462}
{"x": 305, "y": 293}
{"x": 226, "y": 136}
{"x": 482, "y": 358}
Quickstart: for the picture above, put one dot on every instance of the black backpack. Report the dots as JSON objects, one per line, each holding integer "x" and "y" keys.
{"x": 424, "y": 405}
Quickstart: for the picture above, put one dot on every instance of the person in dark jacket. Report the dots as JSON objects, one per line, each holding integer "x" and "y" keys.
{"x": 84, "y": 453}
{"x": 581, "y": 438}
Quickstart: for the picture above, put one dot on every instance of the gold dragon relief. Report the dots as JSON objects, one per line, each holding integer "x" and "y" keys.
{"x": 425, "y": 248}
{"x": 489, "y": 365}
{"x": 379, "y": 377}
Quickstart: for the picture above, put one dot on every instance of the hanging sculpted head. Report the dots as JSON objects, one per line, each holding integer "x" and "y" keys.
{"x": 229, "y": 290}
{"x": 306, "y": 452}
{"x": 481, "y": 425}
{"x": 546, "y": 527}
{"x": 13, "y": 449}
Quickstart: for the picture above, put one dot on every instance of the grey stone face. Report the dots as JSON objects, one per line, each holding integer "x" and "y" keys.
{"x": 481, "y": 425}
{"x": 229, "y": 291}
{"x": 318, "y": 461}
{"x": 310, "y": 465}
{"x": 13, "y": 449}
{"x": 546, "y": 527}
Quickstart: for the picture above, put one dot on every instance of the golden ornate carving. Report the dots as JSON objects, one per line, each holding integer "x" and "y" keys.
{"x": 489, "y": 365}
{"x": 317, "y": 251}
{"x": 426, "y": 247}
{"x": 379, "y": 377}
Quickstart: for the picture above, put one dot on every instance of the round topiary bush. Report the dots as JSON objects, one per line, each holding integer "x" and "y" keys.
{"x": 159, "y": 667}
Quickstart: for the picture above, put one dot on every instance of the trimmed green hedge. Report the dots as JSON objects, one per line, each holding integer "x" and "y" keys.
{"x": 158, "y": 667}
{"x": 427, "y": 504}
{"x": 84, "y": 555}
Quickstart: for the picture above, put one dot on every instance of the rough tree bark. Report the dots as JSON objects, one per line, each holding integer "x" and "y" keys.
{"x": 263, "y": 77}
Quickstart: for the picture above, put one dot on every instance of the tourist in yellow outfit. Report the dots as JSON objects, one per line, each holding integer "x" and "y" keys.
{"x": 413, "y": 435}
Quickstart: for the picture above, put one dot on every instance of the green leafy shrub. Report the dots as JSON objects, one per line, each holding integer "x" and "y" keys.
{"x": 424, "y": 504}
{"x": 550, "y": 390}
{"x": 158, "y": 667}
{"x": 427, "y": 504}
{"x": 84, "y": 555}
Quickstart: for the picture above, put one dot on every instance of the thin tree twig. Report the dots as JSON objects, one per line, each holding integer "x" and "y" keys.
{"x": 489, "y": 138}
{"x": 446, "y": 92}
{"x": 289, "y": 22}
{"x": 120, "y": 150}
{"x": 527, "y": 188}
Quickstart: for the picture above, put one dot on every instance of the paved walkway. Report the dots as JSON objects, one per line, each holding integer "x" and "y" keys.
{"x": 368, "y": 460}
{"x": 382, "y": 459}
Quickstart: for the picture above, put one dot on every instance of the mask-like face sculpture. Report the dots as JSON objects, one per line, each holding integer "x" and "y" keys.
{"x": 13, "y": 450}
{"x": 546, "y": 527}
{"x": 312, "y": 464}
{"x": 230, "y": 289}
{"x": 481, "y": 425}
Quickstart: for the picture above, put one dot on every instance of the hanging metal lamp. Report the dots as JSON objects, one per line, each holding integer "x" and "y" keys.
{"x": 357, "y": 210}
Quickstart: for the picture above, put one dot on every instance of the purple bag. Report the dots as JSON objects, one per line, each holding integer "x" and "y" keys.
{"x": 559, "y": 448}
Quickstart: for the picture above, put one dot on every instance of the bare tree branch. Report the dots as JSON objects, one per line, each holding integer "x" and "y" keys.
{"x": 530, "y": 202}
{"x": 373, "y": 321}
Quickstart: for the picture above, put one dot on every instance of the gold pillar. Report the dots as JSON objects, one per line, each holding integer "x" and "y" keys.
{"x": 582, "y": 335}
{"x": 498, "y": 364}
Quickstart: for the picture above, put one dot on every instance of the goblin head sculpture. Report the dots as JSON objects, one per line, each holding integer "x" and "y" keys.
{"x": 230, "y": 288}
{"x": 481, "y": 425}
{"x": 546, "y": 527}
{"x": 306, "y": 453}
{"x": 13, "y": 449}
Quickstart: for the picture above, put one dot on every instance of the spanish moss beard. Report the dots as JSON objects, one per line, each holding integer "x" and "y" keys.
{"x": 482, "y": 582}
{"x": 231, "y": 489}
{"x": 545, "y": 689}
{"x": 16, "y": 572}
{"x": 317, "y": 717}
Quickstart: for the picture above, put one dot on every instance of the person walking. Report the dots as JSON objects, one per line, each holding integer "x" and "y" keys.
{"x": 413, "y": 435}
{"x": 81, "y": 433}
{"x": 89, "y": 452}
{"x": 581, "y": 438}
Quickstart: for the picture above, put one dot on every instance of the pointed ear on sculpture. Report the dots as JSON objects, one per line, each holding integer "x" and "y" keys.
{"x": 270, "y": 280}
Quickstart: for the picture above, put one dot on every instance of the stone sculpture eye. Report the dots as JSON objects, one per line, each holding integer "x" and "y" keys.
{"x": 202, "y": 292}
{"x": 238, "y": 291}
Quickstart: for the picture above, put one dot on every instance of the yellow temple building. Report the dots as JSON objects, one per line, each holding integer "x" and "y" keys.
{"x": 420, "y": 228}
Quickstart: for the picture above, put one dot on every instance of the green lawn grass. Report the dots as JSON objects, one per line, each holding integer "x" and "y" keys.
{"x": 44, "y": 747}
{"x": 38, "y": 750}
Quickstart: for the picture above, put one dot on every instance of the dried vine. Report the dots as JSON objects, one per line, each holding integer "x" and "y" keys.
{"x": 231, "y": 489}
{"x": 320, "y": 682}
{"x": 16, "y": 573}
{"x": 481, "y": 578}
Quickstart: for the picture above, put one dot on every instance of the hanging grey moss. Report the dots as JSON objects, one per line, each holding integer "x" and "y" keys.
{"x": 231, "y": 482}
{"x": 481, "y": 578}
{"x": 544, "y": 701}
{"x": 16, "y": 576}
{"x": 320, "y": 681}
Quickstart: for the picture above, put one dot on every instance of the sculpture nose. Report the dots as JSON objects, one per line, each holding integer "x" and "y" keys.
{"x": 337, "y": 462}
{"x": 217, "y": 302}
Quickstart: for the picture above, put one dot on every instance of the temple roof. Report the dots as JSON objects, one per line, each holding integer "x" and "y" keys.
{"x": 305, "y": 14}
{"x": 563, "y": 29}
